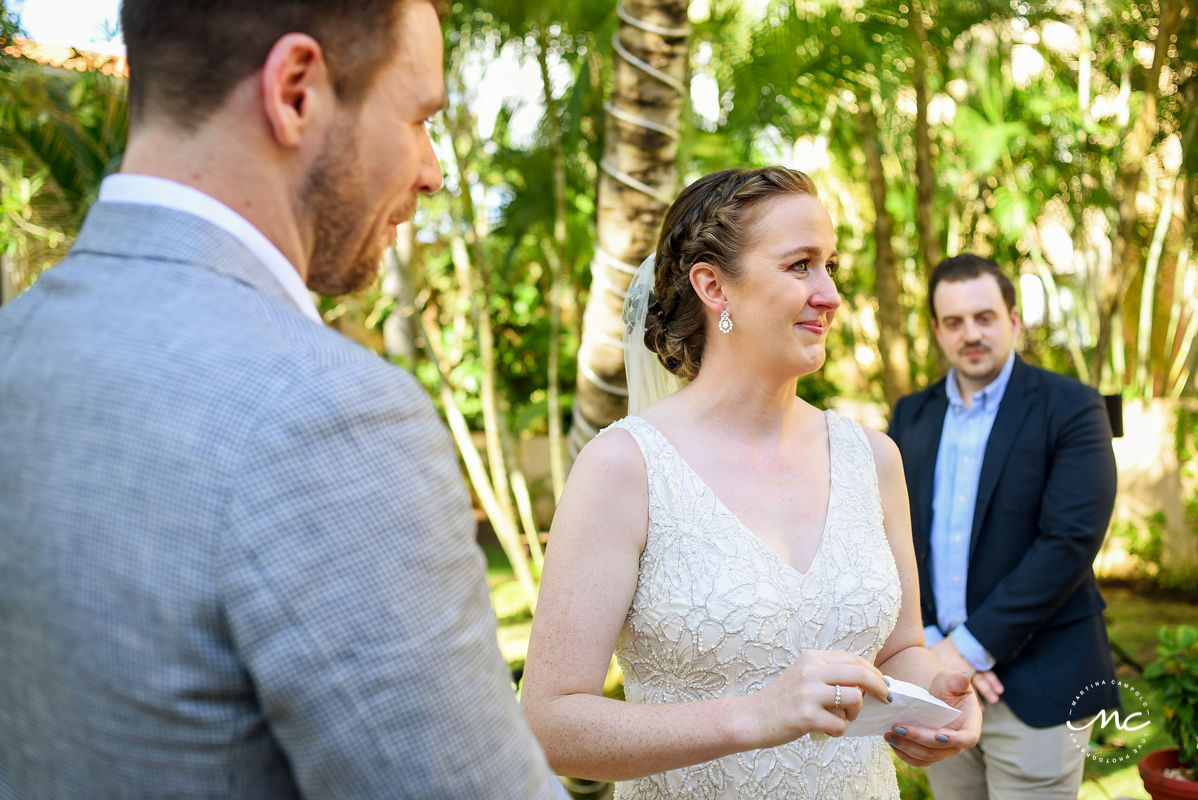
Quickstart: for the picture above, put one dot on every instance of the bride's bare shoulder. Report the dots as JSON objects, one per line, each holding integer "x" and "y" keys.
{"x": 886, "y": 452}
{"x": 613, "y": 457}
{"x": 606, "y": 496}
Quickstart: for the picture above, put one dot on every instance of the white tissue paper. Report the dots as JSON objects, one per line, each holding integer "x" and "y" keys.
{"x": 911, "y": 706}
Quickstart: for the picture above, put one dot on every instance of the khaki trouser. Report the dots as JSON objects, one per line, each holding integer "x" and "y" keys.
{"x": 1012, "y": 761}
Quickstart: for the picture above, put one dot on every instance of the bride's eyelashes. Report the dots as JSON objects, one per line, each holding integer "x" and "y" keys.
{"x": 803, "y": 266}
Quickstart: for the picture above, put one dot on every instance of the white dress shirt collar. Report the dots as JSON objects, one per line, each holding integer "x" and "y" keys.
{"x": 149, "y": 190}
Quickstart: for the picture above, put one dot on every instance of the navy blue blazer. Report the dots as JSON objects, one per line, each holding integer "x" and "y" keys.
{"x": 1044, "y": 501}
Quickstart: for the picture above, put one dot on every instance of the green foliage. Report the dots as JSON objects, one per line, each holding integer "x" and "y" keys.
{"x": 73, "y": 123}
{"x": 18, "y": 188}
{"x": 1186, "y": 445}
{"x": 1030, "y": 131}
{"x": 1186, "y": 441}
{"x": 61, "y": 132}
{"x": 1133, "y": 616}
{"x": 986, "y": 139}
{"x": 1143, "y": 542}
{"x": 9, "y": 27}
{"x": 1174, "y": 675}
{"x": 912, "y": 781}
{"x": 507, "y": 178}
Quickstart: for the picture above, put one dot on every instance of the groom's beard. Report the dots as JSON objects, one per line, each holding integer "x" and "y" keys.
{"x": 345, "y": 250}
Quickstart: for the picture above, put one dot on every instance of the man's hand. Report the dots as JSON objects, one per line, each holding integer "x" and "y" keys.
{"x": 987, "y": 683}
{"x": 988, "y": 686}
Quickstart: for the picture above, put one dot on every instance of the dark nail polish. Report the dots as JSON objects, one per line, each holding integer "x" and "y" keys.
{"x": 890, "y": 697}
{"x": 886, "y": 679}
{"x": 901, "y": 731}
{"x": 890, "y": 740}
{"x": 940, "y": 737}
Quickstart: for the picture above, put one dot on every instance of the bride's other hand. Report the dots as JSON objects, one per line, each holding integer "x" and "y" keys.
{"x": 922, "y": 746}
{"x": 803, "y": 698}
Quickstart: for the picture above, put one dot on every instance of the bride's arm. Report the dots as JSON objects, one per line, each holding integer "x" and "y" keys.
{"x": 904, "y": 655}
{"x": 590, "y": 574}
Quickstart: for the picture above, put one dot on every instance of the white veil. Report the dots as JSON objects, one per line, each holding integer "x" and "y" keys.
{"x": 648, "y": 380}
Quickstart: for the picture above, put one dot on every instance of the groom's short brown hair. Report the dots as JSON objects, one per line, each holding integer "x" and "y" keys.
{"x": 185, "y": 56}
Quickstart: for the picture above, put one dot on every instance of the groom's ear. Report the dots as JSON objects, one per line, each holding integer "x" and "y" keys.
{"x": 709, "y": 285}
{"x": 297, "y": 90}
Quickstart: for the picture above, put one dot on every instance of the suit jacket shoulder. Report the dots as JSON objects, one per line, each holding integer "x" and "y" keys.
{"x": 1061, "y": 389}
{"x": 911, "y": 405}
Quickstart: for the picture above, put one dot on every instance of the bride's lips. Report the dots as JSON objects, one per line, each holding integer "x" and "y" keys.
{"x": 814, "y": 325}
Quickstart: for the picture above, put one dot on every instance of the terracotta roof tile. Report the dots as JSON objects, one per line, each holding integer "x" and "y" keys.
{"x": 68, "y": 57}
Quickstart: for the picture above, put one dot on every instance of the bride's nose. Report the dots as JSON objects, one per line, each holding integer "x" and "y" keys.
{"x": 826, "y": 295}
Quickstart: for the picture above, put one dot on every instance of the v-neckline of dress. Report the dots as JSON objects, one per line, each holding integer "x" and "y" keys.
{"x": 744, "y": 529}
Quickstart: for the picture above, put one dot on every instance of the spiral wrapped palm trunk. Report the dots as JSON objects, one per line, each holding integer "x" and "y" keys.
{"x": 637, "y": 182}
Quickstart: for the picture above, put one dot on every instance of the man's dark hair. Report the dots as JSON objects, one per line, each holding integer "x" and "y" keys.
{"x": 185, "y": 56}
{"x": 966, "y": 267}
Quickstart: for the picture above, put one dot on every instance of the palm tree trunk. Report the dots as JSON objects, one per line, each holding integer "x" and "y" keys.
{"x": 555, "y": 256}
{"x": 1145, "y": 383}
{"x": 1176, "y": 348}
{"x": 8, "y": 288}
{"x": 501, "y": 521}
{"x": 1137, "y": 145}
{"x": 896, "y": 367}
{"x": 1180, "y": 371}
{"x": 466, "y": 263}
{"x": 400, "y": 327}
{"x": 491, "y": 481}
{"x": 925, "y": 180}
{"x": 1172, "y": 205}
{"x": 636, "y": 185}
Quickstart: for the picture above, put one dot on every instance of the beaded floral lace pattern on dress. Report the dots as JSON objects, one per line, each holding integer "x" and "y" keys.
{"x": 716, "y": 613}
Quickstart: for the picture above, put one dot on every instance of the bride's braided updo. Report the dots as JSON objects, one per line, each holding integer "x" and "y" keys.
{"x": 707, "y": 223}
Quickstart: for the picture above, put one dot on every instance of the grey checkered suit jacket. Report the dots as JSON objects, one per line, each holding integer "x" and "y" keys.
{"x": 236, "y": 552}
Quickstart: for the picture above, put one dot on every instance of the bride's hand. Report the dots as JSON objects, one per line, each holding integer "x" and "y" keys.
{"x": 803, "y": 698}
{"x": 922, "y": 746}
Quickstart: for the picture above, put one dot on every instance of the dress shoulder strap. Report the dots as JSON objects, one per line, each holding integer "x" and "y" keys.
{"x": 646, "y": 438}
{"x": 852, "y": 459}
{"x": 847, "y": 432}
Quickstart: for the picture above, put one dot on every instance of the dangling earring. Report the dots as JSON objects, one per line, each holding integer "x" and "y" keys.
{"x": 725, "y": 325}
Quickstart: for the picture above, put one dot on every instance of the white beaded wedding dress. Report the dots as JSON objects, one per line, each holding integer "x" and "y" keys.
{"x": 716, "y": 613}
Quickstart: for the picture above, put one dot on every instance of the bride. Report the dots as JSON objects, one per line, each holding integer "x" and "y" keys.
{"x": 746, "y": 556}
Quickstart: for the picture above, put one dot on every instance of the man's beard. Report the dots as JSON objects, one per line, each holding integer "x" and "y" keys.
{"x": 344, "y": 257}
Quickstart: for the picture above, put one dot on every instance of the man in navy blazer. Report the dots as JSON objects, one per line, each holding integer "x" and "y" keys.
{"x": 1011, "y": 478}
{"x": 237, "y": 556}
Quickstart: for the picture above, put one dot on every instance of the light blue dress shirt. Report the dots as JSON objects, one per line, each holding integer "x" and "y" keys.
{"x": 958, "y": 468}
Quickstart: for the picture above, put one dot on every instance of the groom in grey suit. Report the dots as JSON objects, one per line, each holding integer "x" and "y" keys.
{"x": 236, "y": 552}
